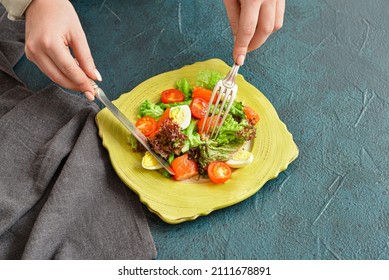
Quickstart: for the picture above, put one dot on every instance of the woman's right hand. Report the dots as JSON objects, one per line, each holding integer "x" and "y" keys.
{"x": 252, "y": 22}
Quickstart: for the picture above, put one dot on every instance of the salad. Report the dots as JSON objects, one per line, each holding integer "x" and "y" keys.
{"x": 173, "y": 127}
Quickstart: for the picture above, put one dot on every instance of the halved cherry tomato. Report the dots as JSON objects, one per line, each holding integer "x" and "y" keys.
{"x": 204, "y": 93}
{"x": 211, "y": 123}
{"x": 147, "y": 125}
{"x": 198, "y": 107}
{"x": 172, "y": 95}
{"x": 251, "y": 115}
{"x": 184, "y": 168}
{"x": 219, "y": 172}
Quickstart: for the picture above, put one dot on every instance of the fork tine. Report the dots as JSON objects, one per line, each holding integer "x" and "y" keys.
{"x": 225, "y": 90}
{"x": 205, "y": 128}
{"x": 216, "y": 121}
{"x": 231, "y": 98}
{"x": 216, "y": 109}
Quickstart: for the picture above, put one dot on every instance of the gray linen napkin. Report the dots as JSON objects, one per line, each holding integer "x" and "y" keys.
{"x": 59, "y": 195}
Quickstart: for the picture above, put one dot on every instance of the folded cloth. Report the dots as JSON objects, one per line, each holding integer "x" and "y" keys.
{"x": 59, "y": 195}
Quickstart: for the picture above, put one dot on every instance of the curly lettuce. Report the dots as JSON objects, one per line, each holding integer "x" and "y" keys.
{"x": 234, "y": 132}
{"x": 169, "y": 139}
{"x": 232, "y": 136}
{"x": 237, "y": 110}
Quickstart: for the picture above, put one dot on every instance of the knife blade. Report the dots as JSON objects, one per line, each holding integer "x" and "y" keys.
{"x": 130, "y": 126}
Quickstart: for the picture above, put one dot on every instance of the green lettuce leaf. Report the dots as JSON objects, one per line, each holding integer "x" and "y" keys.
{"x": 194, "y": 139}
{"x": 213, "y": 152}
{"x": 208, "y": 78}
{"x": 183, "y": 85}
{"x": 237, "y": 110}
{"x": 228, "y": 131}
{"x": 149, "y": 109}
{"x": 131, "y": 140}
{"x": 163, "y": 106}
{"x": 232, "y": 136}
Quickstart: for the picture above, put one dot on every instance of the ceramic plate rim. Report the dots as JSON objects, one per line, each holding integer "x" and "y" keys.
{"x": 291, "y": 153}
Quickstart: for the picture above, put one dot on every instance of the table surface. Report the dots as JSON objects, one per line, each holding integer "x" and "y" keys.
{"x": 326, "y": 73}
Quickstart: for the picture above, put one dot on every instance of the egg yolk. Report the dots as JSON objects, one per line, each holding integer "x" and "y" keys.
{"x": 241, "y": 155}
{"x": 177, "y": 115}
{"x": 149, "y": 161}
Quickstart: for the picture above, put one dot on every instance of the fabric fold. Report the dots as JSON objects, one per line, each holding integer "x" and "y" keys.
{"x": 60, "y": 198}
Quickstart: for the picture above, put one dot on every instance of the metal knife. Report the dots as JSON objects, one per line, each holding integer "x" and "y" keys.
{"x": 130, "y": 126}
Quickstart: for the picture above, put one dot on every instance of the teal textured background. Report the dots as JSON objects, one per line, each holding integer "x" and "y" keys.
{"x": 326, "y": 73}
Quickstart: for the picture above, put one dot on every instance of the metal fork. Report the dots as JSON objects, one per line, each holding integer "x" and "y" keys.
{"x": 225, "y": 91}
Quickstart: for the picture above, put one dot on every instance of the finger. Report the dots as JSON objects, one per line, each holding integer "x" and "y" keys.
{"x": 247, "y": 26}
{"x": 279, "y": 19}
{"x": 82, "y": 53}
{"x": 47, "y": 66}
{"x": 65, "y": 62}
{"x": 265, "y": 25}
{"x": 233, "y": 12}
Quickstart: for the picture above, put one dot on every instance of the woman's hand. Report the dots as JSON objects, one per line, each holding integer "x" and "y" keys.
{"x": 52, "y": 30}
{"x": 252, "y": 22}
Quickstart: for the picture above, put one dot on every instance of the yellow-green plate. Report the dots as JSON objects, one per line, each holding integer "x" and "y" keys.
{"x": 173, "y": 201}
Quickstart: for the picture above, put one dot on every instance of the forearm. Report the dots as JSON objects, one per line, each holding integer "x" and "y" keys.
{"x": 15, "y": 8}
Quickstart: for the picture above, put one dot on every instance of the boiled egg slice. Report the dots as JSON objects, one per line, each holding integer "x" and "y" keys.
{"x": 181, "y": 115}
{"x": 149, "y": 162}
{"x": 240, "y": 159}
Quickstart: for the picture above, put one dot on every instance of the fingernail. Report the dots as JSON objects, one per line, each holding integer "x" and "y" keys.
{"x": 89, "y": 96}
{"x": 240, "y": 59}
{"x": 98, "y": 76}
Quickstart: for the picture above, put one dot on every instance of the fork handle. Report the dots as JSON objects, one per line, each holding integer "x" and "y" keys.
{"x": 229, "y": 80}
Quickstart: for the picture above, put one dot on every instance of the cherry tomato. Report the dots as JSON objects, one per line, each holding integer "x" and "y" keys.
{"x": 184, "y": 168}
{"x": 164, "y": 116}
{"x": 211, "y": 123}
{"x": 147, "y": 125}
{"x": 204, "y": 93}
{"x": 152, "y": 135}
{"x": 172, "y": 95}
{"x": 219, "y": 172}
{"x": 198, "y": 107}
{"x": 251, "y": 115}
